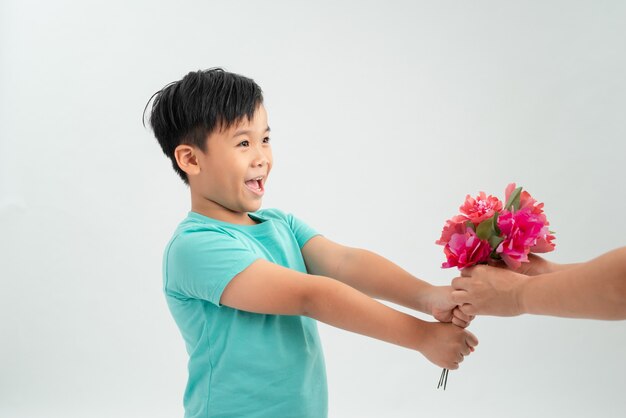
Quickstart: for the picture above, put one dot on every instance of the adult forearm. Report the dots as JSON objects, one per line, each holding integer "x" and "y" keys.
{"x": 556, "y": 267}
{"x": 596, "y": 289}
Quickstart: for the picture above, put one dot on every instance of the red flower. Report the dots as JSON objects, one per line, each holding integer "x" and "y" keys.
{"x": 480, "y": 208}
{"x": 456, "y": 225}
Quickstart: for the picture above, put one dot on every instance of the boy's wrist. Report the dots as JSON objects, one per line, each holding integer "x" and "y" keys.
{"x": 421, "y": 335}
{"x": 426, "y": 298}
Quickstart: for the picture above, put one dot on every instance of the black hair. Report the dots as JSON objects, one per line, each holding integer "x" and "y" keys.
{"x": 189, "y": 110}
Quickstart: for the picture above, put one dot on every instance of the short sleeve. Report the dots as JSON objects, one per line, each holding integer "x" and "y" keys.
{"x": 200, "y": 264}
{"x": 301, "y": 230}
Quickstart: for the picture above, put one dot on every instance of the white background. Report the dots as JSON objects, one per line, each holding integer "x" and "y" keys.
{"x": 383, "y": 114}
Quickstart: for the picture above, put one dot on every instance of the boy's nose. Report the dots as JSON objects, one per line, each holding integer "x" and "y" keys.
{"x": 260, "y": 160}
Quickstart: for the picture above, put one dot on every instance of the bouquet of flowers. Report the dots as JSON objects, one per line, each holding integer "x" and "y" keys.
{"x": 488, "y": 229}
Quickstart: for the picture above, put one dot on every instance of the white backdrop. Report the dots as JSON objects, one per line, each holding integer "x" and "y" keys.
{"x": 383, "y": 114}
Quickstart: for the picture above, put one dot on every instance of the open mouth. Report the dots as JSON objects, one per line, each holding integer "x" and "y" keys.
{"x": 255, "y": 185}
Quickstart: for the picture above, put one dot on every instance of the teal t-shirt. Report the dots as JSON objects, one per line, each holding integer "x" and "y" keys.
{"x": 242, "y": 364}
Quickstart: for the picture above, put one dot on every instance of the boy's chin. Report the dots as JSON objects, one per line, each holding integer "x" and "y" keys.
{"x": 254, "y": 207}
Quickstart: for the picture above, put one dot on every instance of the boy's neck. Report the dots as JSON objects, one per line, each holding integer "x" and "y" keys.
{"x": 215, "y": 211}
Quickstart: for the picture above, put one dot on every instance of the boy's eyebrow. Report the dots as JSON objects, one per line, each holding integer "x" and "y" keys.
{"x": 247, "y": 131}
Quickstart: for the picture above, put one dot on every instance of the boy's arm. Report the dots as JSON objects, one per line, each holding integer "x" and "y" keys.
{"x": 268, "y": 288}
{"x": 596, "y": 289}
{"x": 381, "y": 279}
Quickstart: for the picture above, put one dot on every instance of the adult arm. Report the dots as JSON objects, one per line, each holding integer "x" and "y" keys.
{"x": 595, "y": 289}
{"x": 536, "y": 265}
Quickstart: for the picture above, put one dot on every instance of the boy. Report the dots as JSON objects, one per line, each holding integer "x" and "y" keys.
{"x": 245, "y": 286}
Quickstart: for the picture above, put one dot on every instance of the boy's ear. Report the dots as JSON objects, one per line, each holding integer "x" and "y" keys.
{"x": 187, "y": 159}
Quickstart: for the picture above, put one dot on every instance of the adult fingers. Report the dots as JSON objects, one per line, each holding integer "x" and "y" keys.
{"x": 460, "y": 283}
{"x": 459, "y": 297}
{"x": 468, "y": 309}
{"x": 496, "y": 263}
{"x": 467, "y": 271}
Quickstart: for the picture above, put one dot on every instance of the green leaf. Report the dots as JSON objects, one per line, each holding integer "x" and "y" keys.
{"x": 495, "y": 223}
{"x": 494, "y": 241}
{"x": 486, "y": 228}
{"x": 514, "y": 199}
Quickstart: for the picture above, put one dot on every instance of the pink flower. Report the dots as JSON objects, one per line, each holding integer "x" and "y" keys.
{"x": 466, "y": 249}
{"x": 526, "y": 201}
{"x": 480, "y": 208}
{"x": 521, "y": 231}
{"x": 544, "y": 243}
{"x": 456, "y": 225}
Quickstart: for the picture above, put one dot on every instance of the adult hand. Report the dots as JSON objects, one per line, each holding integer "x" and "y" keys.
{"x": 536, "y": 265}
{"x": 485, "y": 290}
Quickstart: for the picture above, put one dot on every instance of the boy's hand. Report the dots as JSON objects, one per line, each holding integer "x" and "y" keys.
{"x": 444, "y": 309}
{"x": 446, "y": 345}
{"x": 485, "y": 290}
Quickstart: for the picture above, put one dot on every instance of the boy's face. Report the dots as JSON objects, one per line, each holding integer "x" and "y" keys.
{"x": 234, "y": 169}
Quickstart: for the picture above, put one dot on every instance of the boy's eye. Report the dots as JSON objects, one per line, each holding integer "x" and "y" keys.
{"x": 266, "y": 140}
{"x": 244, "y": 143}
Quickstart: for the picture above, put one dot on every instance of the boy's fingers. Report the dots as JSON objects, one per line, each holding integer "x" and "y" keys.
{"x": 467, "y": 350}
{"x": 460, "y": 315}
{"x": 460, "y": 318}
{"x": 459, "y": 323}
{"x": 471, "y": 339}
